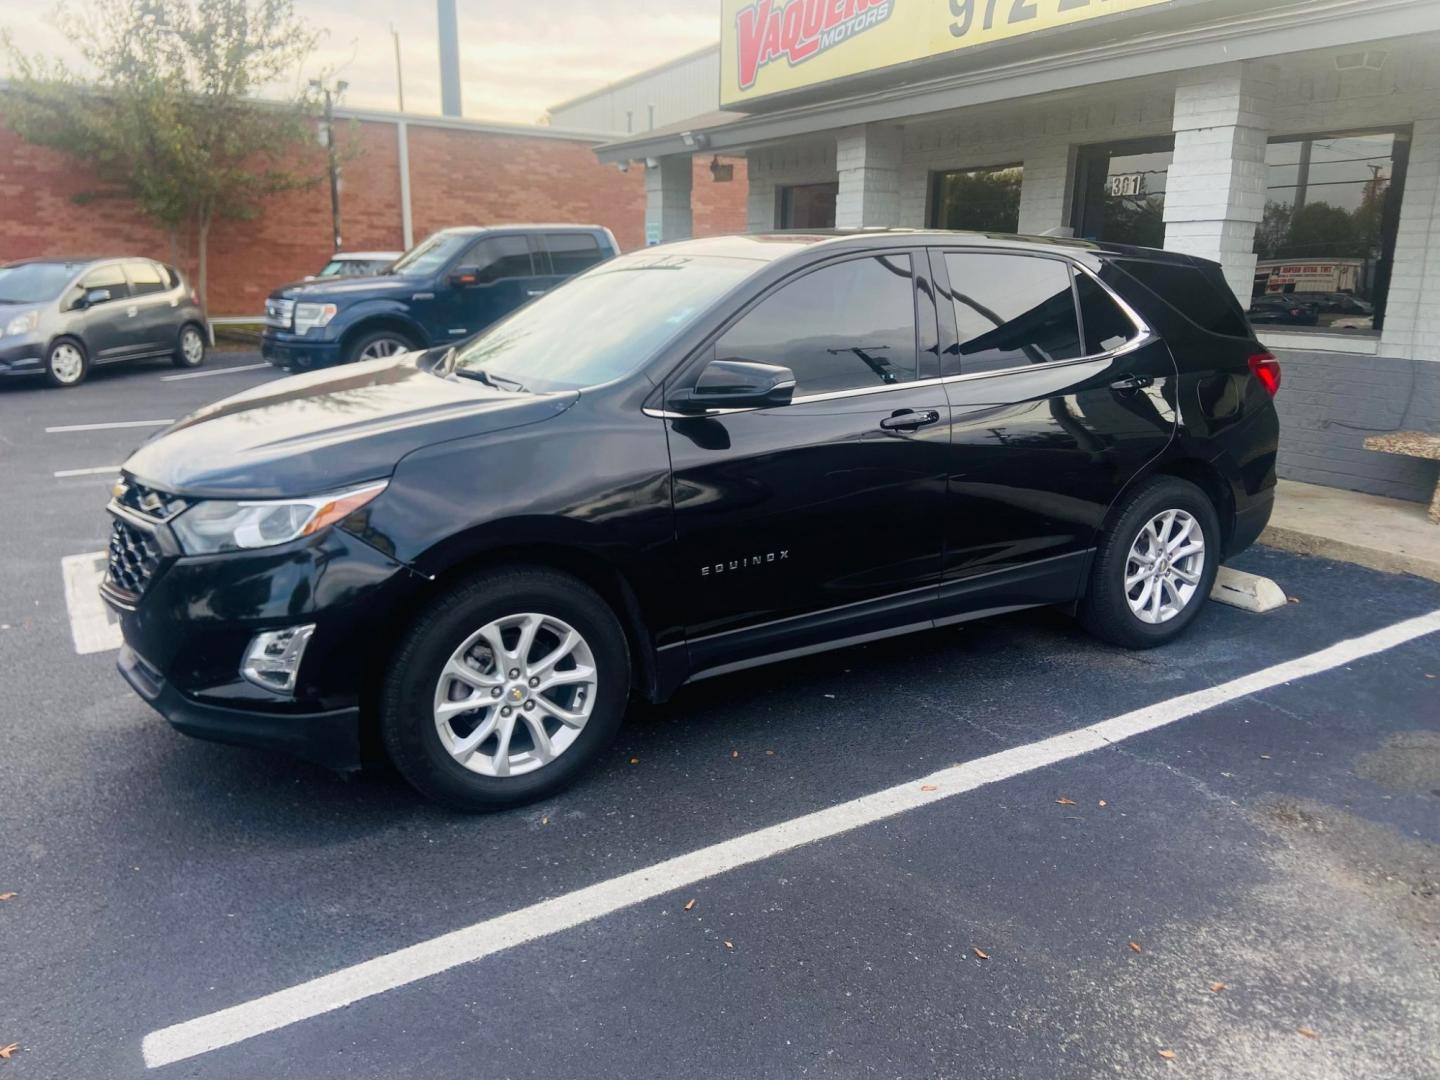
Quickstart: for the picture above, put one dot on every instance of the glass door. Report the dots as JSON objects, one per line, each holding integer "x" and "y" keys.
{"x": 1120, "y": 191}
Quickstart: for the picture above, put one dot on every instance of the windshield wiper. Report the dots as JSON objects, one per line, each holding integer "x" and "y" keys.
{"x": 495, "y": 382}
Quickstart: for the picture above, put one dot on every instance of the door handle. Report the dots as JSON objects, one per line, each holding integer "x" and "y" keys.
{"x": 534, "y": 292}
{"x": 907, "y": 420}
{"x": 1132, "y": 382}
{"x": 131, "y": 310}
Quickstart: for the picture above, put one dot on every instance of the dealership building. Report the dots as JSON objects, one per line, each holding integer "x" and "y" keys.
{"x": 1295, "y": 143}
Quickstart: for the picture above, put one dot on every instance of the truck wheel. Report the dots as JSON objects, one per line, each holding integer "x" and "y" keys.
{"x": 1156, "y": 566}
{"x": 377, "y": 345}
{"x": 505, "y": 690}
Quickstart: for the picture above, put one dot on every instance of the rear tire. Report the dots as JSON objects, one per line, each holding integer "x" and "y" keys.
{"x": 66, "y": 364}
{"x": 1155, "y": 567}
{"x": 466, "y": 661}
{"x": 189, "y": 347}
{"x": 376, "y": 345}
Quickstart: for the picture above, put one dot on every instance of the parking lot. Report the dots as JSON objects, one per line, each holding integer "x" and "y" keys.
{"x": 999, "y": 850}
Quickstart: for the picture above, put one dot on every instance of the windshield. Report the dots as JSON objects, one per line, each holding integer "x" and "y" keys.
{"x": 430, "y": 254}
{"x": 34, "y": 282}
{"x": 603, "y": 324}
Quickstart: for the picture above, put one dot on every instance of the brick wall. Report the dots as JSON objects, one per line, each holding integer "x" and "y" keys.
{"x": 1329, "y": 402}
{"x": 458, "y": 176}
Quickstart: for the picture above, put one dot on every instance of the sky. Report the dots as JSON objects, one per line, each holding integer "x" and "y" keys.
{"x": 516, "y": 59}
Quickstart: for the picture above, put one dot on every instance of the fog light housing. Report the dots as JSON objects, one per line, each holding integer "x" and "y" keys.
{"x": 273, "y": 659}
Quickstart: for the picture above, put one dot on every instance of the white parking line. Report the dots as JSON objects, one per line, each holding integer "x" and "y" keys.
{"x": 98, "y": 470}
{"x": 64, "y": 428}
{"x": 92, "y": 625}
{"x": 359, "y": 981}
{"x": 213, "y": 371}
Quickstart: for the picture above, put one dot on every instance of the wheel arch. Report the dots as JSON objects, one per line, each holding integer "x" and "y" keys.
{"x": 383, "y": 320}
{"x": 1205, "y": 474}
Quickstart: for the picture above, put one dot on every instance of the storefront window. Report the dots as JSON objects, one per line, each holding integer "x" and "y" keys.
{"x": 1327, "y": 239}
{"x": 808, "y": 206}
{"x": 1120, "y": 192}
{"x": 980, "y": 200}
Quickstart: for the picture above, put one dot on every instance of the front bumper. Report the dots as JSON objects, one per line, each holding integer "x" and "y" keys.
{"x": 22, "y": 356}
{"x": 187, "y": 632}
{"x": 328, "y": 738}
{"x": 297, "y": 352}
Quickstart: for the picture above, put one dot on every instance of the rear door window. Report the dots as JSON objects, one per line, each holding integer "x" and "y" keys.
{"x": 1011, "y": 310}
{"x": 842, "y": 327}
{"x": 1106, "y": 326}
{"x": 572, "y": 252}
{"x": 145, "y": 277}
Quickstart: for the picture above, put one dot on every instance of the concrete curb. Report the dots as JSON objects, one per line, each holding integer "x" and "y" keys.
{"x": 1326, "y": 547}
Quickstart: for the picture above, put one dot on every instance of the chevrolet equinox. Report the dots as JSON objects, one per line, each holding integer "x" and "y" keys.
{"x": 683, "y": 462}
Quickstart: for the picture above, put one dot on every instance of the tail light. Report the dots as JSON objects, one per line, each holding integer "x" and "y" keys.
{"x": 1266, "y": 369}
{"x": 194, "y": 298}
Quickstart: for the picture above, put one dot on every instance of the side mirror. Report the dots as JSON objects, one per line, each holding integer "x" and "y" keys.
{"x": 95, "y": 296}
{"x": 737, "y": 384}
{"x": 465, "y": 276}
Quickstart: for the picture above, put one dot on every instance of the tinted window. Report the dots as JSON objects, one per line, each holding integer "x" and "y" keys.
{"x": 1106, "y": 326}
{"x": 572, "y": 252}
{"x": 501, "y": 257}
{"x": 982, "y": 200}
{"x": 808, "y": 206}
{"x": 145, "y": 277}
{"x": 1191, "y": 292}
{"x": 839, "y": 328}
{"x": 1011, "y": 310}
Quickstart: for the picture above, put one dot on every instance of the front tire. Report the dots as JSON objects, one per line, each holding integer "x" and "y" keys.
{"x": 505, "y": 690}
{"x": 189, "y": 347}
{"x": 1155, "y": 567}
{"x": 66, "y": 364}
{"x": 377, "y": 345}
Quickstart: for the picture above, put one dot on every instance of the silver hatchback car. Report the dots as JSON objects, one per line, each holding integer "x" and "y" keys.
{"x": 61, "y": 317}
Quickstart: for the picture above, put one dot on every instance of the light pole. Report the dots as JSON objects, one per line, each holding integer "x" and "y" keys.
{"x": 399, "y": 71}
{"x": 332, "y": 155}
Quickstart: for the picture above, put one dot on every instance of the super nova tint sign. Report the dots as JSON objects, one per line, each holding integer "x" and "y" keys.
{"x": 769, "y": 46}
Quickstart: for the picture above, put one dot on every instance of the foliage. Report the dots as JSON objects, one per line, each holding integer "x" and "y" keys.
{"x": 164, "y": 109}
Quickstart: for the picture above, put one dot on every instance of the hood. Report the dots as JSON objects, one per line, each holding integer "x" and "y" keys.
{"x": 340, "y": 288}
{"x": 319, "y": 432}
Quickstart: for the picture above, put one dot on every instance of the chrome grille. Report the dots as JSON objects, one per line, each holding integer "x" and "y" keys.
{"x": 279, "y": 313}
{"x": 133, "y": 558}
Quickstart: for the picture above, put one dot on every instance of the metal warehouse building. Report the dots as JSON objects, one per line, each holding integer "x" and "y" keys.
{"x": 1297, "y": 143}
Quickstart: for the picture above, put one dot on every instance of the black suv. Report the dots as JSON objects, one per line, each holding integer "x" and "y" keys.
{"x": 687, "y": 461}
{"x": 443, "y": 290}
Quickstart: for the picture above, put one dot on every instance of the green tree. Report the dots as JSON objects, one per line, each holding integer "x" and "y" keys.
{"x": 164, "y": 109}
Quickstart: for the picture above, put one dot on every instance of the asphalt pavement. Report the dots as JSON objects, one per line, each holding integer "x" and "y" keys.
{"x": 1252, "y": 890}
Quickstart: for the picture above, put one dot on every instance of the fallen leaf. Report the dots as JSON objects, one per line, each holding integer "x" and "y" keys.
{"x": 929, "y": 787}
{"x": 734, "y": 753}
{"x": 1104, "y": 803}
{"x": 544, "y": 821}
{"x": 690, "y": 906}
{"x": 980, "y": 953}
{"x": 8, "y": 895}
{"x": 8, "y": 1051}
{"x": 1168, "y": 1055}
{"x": 1264, "y": 757}
{"x": 634, "y": 761}
{"x": 1063, "y": 801}
{"x": 1292, "y": 599}
{"x": 1215, "y": 988}
{"x": 1309, "y": 1033}
{"x": 1134, "y": 947}
{"x": 729, "y": 944}
{"x": 769, "y": 753}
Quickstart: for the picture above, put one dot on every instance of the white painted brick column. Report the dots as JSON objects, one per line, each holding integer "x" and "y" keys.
{"x": 1045, "y": 188}
{"x": 667, "y": 200}
{"x": 868, "y": 161}
{"x": 760, "y": 209}
{"x": 1412, "y": 310}
{"x": 1215, "y": 195}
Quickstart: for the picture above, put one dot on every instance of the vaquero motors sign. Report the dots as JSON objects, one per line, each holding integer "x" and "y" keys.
{"x": 771, "y": 46}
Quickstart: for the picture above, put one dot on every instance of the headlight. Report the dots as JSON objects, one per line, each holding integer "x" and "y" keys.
{"x": 217, "y": 525}
{"x": 308, "y": 316}
{"x": 23, "y": 324}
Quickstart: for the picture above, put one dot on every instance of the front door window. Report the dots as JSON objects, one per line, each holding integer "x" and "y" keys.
{"x": 1120, "y": 192}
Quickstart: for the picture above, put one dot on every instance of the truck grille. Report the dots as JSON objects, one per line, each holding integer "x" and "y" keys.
{"x": 280, "y": 313}
{"x": 134, "y": 558}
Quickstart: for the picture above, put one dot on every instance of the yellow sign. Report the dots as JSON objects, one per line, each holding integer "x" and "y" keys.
{"x": 769, "y": 46}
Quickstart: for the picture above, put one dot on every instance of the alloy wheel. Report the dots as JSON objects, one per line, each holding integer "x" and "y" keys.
{"x": 380, "y": 348}
{"x": 1165, "y": 567}
{"x": 192, "y": 346}
{"x": 515, "y": 695}
{"x": 66, "y": 363}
